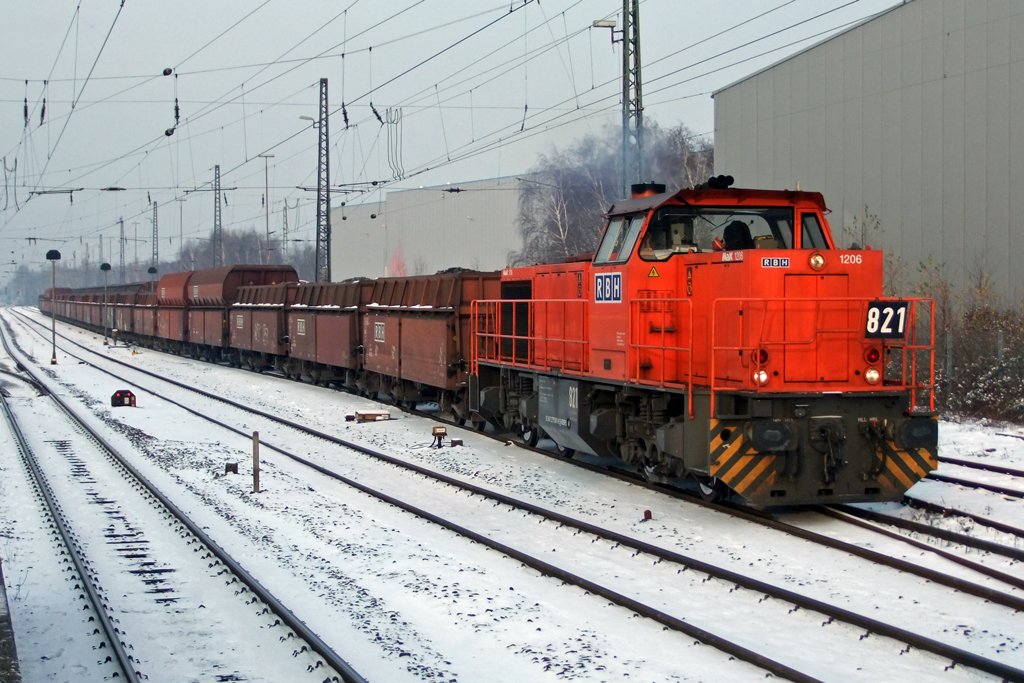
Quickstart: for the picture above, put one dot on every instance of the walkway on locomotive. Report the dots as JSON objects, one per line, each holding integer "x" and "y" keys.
{"x": 742, "y": 286}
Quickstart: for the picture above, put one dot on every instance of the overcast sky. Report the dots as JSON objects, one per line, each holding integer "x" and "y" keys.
{"x": 471, "y": 90}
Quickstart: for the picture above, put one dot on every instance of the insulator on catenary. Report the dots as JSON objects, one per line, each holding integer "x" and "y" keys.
{"x": 344, "y": 115}
{"x": 42, "y": 113}
{"x": 177, "y": 112}
{"x": 376, "y": 113}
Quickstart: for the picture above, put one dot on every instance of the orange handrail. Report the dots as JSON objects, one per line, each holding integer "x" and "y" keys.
{"x": 905, "y": 346}
{"x": 486, "y": 319}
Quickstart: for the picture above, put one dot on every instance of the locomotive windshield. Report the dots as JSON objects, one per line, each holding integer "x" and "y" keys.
{"x": 684, "y": 229}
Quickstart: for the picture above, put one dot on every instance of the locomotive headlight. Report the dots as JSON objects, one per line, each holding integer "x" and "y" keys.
{"x": 760, "y": 377}
{"x": 871, "y": 375}
{"x": 817, "y": 261}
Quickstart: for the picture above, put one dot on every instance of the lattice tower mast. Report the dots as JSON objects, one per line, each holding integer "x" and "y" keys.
{"x": 156, "y": 239}
{"x": 323, "y": 193}
{"x": 284, "y": 233}
{"x": 218, "y": 246}
{"x": 120, "y": 272}
{"x": 632, "y": 99}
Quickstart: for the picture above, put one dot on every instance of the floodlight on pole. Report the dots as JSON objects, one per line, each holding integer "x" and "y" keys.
{"x": 53, "y": 256}
{"x": 105, "y": 267}
{"x": 266, "y": 196}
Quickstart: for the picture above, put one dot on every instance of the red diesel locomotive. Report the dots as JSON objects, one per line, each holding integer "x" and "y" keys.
{"x": 719, "y": 336}
{"x": 716, "y": 339}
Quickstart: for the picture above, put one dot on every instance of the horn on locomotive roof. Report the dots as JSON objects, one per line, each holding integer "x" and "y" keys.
{"x": 638, "y": 190}
{"x": 720, "y": 182}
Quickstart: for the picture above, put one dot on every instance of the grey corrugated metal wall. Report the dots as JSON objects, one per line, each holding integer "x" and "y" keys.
{"x": 918, "y": 115}
{"x": 425, "y": 230}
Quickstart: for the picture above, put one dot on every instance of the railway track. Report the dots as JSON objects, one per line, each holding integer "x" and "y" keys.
{"x": 126, "y": 536}
{"x": 123, "y": 662}
{"x": 765, "y": 518}
{"x": 956, "y": 655}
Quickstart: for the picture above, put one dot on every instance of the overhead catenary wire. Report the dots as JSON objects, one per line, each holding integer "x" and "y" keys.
{"x": 50, "y": 152}
{"x": 530, "y": 122}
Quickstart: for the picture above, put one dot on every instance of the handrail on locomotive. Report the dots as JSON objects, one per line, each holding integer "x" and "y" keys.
{"x": 489, "y": 321}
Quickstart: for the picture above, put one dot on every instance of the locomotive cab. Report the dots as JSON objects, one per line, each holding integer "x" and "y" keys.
{"x": 718, "y": 337}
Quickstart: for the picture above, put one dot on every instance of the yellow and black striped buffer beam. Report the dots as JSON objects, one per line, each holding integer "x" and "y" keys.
{"x": 904, "y": 468}
{"x": 736, "y": 464}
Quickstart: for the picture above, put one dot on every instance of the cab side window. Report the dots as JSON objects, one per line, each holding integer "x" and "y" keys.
{"x": 619, "y": 239}
{"x": 812, "y": 236}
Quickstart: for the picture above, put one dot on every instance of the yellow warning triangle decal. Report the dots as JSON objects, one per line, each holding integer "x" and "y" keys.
{"x": 653, "y": 273}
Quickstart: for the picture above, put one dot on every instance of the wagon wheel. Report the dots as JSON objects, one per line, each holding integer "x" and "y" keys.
{"x": 564, "y": 451}
{"x": 480, "y": 425}
{"x": 530, "y": 435}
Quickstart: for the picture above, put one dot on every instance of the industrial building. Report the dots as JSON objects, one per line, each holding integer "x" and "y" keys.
{"x": 914, "y": 116}
{"x": 424, "y": 230}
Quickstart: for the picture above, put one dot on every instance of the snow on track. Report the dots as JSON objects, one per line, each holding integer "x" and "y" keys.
{"x": 319, "y": 513}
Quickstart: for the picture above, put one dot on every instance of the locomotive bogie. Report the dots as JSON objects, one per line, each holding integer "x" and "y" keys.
{"x": 761, "y": 450}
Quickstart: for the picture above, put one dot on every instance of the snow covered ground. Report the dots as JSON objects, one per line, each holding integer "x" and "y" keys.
{"x": 402, "y": 599}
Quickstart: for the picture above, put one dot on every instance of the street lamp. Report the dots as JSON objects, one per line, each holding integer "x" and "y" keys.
{"x": 53, "y": 256}
{"x": 105, "y": 267}
{"x": 266, "y": 189}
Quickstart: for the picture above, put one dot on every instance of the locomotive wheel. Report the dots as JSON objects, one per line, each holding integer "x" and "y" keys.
{"x": 459, "y": 420}
{"x": 710, "y": 490}
{"x": 530, "y": 435}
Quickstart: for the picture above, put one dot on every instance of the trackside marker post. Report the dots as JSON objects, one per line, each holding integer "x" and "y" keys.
{"x": 255, "y": 462}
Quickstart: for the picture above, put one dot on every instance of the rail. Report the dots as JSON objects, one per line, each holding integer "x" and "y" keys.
{"x": 347, "y": 673}
{"x": 958, "y": 656}
{"x": 506, "y": 331}
{"x": 773, "y": 317}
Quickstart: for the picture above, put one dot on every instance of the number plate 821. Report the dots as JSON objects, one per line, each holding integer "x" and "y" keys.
{"x": 886, "y": 319}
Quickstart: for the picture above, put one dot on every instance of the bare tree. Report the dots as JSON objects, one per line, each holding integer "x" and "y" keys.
{"x": 562, "y": 203}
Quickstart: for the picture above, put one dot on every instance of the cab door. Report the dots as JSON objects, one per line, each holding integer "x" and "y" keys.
{"x": 609, "y": 312}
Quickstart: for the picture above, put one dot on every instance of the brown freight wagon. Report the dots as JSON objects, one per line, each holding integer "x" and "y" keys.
{"x": 210, "y": 294}
{"x": 144, "y": 309}
{"x": 54, "y": 296}
{"x": 323, "y": 331}
{"x": 417, "y": 334}
{"x": 259, "y": 336}
{"x": 172, "y": 303}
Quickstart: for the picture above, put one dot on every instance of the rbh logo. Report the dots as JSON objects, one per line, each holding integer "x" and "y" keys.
{"x": 767, "y": 262}
{"x": 608, "y": 288}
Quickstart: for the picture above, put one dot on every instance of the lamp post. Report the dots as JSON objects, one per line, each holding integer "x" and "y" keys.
{"x": 105, "y": 267}
{"x": 53, "y": 256}
{"x": 266, "y": 195}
